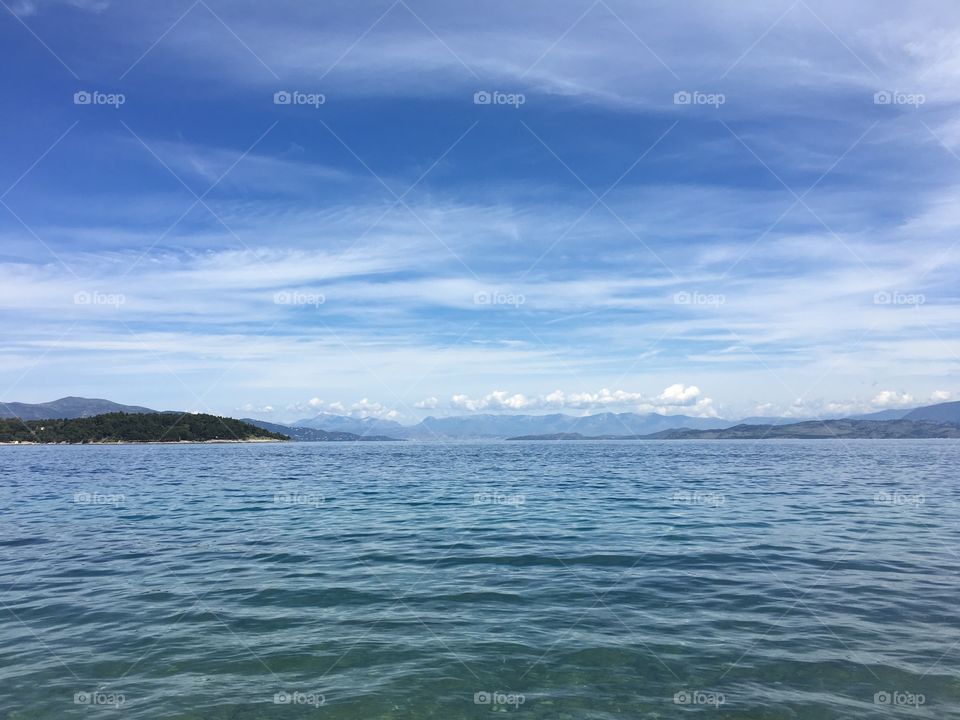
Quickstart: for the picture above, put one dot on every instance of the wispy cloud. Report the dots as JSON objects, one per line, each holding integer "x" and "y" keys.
{"x": 400, "y": 248}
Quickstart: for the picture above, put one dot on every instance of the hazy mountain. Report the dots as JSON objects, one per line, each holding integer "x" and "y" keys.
{"x": 635, "y": 424}
{"x": 357, "y": 426}
{"x": 485, "y": 425}
{"x": 305, "y": 434}
{"x": 943, "y": 412}
{"x": 500, "y": 426}
{"x": 573, "y": 436}
{"x": 822, "y": 429}
{"x": 481, "y": 425}
{"x": 767, "y": 420}
{"x": 883, "y": 415}
{"x": 66, "y": 408}
{"x": 810, "y": 430}
{"x": 476, "y": 426}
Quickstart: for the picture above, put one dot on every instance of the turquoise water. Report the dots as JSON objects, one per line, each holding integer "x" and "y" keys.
{"x": 580, "y": 580}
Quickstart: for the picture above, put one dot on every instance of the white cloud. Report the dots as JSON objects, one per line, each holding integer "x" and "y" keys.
{"x": 893, "y": 399}
{"x": 256, "y": 409}
{"x": 603, "y": 398}
{"x": 799, "y": 297}
{"x": 23, "y": 8}
{"x": 364, "y": 408}
{"x": 429, "y": 403}
{"x": 941, "y": 395}
{"x": 675, "y": 398}
{"x": 497, "y": 400}
{"x": 679, "y": 394}
{"x": 368, "y": 409}
{"x": 555, "y": 398}
{"x": 762, "y": 50}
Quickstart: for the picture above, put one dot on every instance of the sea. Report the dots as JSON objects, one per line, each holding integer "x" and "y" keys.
{"x": 565, "y": 580}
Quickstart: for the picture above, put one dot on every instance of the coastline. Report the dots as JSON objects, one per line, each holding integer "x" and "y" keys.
{"x": 148, "y": 442}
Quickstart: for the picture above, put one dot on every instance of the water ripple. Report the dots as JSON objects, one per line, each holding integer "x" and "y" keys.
{"x": 591, "y": 580}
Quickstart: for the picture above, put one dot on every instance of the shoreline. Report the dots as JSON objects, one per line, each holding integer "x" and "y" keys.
{"x": 147, "y": 442}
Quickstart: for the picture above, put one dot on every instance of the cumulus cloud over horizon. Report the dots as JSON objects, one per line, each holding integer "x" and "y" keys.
{"x": 672, "y": 400}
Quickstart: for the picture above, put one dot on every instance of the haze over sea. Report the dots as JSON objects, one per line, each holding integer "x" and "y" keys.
{"x": 774, "y": 579}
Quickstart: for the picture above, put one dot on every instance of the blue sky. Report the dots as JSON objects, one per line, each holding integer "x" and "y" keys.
{"x": 693, "y": 207}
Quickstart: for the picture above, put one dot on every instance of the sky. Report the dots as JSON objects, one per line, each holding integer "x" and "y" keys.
{"x": 395, "y": 209}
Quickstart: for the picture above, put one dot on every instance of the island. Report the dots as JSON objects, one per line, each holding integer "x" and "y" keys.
{"x": 845, "y": 429}
{"x": 121, "y": 427}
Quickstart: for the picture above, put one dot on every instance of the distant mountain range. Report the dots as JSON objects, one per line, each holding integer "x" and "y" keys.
{"x": 330, "y": 427}
{"x": 308, "y": 434}
{"x": 501, "y": 426}
{"x": 824, "y": 429}
{"x": 355, "y": 426}
{"x": 942, "y": 412}
{"x": 601, "y": 424}
{"x": 846, "y": 428}
{"x": 68, "y": 408}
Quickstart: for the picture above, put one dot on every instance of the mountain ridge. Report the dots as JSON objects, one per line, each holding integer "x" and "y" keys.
{"x": 487, "y": 425}
{"x": 307, "y": 434}
{"x": 838, "y": 429}
{"x": 941, "y": 412}
{"x": 67, "y": 408}
{"x": 482, "y": 425}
